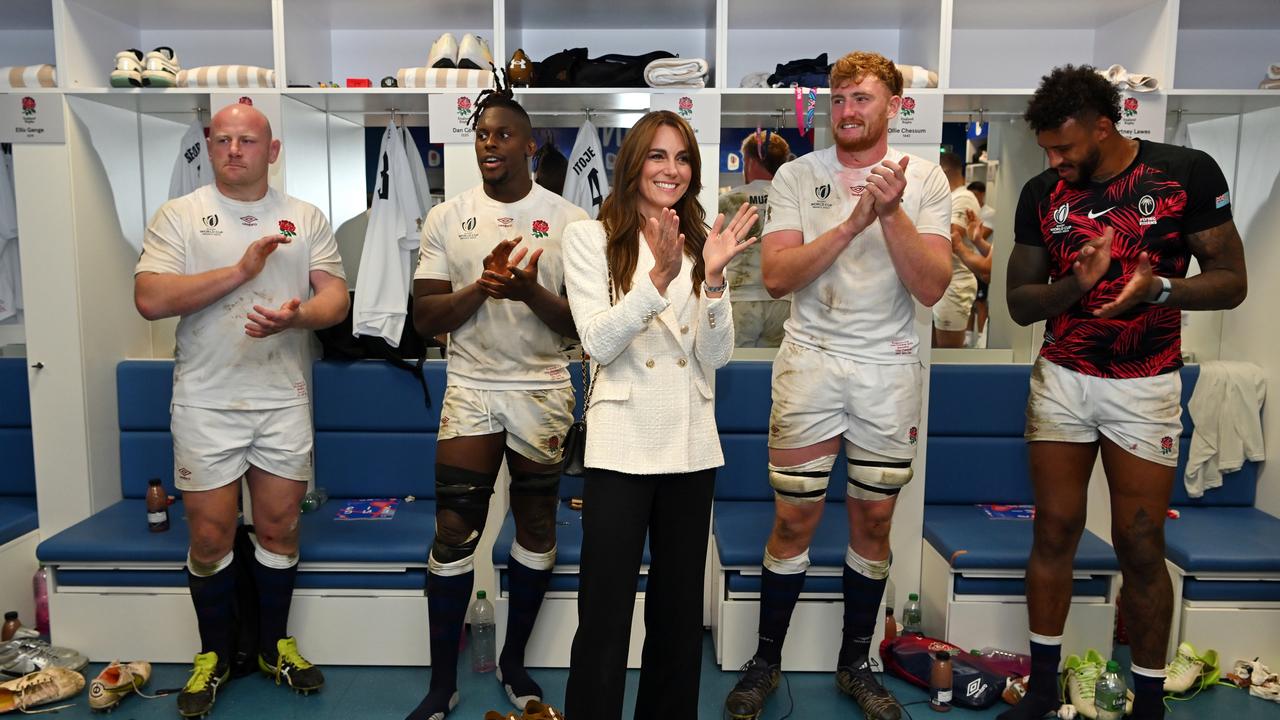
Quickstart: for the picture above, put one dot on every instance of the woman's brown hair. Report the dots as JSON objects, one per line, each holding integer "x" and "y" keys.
{"x": 621, "y": 218}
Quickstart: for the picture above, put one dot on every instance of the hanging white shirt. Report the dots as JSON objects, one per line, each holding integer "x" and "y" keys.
{"x": 586, "y": 184}
{"x": 191, "y": 169}
{"x": 382, "y": 293}
{"x": 418, "y": 171}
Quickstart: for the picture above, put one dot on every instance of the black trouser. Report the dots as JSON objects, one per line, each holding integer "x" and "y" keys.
{"x": 618, "y": 511}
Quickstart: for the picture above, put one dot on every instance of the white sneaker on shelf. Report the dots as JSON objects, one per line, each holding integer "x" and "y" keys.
{"x": 444, "y": 52}
{"x": 473, "y": 53}
{"x": 162, "y": 68}
{"x": 128, "y": 72}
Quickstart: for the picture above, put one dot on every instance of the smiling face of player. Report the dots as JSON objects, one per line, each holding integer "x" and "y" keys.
{"x": 860, "y": 113}
{"x": 504, "y": 144}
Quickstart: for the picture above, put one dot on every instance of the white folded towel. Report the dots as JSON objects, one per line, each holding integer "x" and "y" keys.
{"x": 1226, "y": 407}
{"x": 1273, "y": 72}
{"x": 423, "y": 77}
{"x": 1269, "y": 85}
{"x": 914, "y": 76}
{"x": 755, "y": 80}
{"x": 26, "y": 76}
{"x": 227, "y": 76}
{"x": 1125, "y": 80}
{"x": 676, "y": 72}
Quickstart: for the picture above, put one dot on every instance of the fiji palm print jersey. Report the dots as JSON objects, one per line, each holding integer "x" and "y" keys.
{"x": 1166, "y": 193}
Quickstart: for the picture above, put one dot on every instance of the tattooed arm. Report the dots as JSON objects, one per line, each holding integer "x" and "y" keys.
{"x": 1221, "y": 284}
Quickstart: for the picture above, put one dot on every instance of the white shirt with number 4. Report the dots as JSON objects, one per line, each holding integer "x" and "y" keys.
{"x": 858, "y": 307}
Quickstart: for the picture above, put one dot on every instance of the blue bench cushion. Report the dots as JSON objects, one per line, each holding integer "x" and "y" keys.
{"x": 1223, "y": 539}
{"x": 970, "y": 470}
{"x": 396, "y": 580}
{"x": 744, "y": 397}
{"x": 568, "y": 539}
{"x": 384, "y": 464}
{"x": 144, "y": 391}
{"x": 17, "y": 518}
{"x": 15, "y": 395}
{"x": 741, "y": 529}
{"x": 119, "y": 534}
{"x": 978, "y": 400}
{"x": 970, "y": 540}
{"x": 1231, "y": 590}
{"x": 17, "y": 462}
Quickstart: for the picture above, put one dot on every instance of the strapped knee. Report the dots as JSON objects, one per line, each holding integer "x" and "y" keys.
{"x": 803, "y": 483}
{"x": 465, "y": 494}
{"x": 873, "y": 476}
{"x": 540, "y": 484}
{"x": 787, "y": 566}
{"x": 874, "y": 569}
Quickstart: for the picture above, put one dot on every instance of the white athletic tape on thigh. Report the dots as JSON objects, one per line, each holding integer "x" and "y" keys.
{"x": 531, "y": 559}
{"x": 457, "y": 567}
{"x": 214, "y": 569}
{"x": 790, "y": 566}
{"x": 871, "y": 472}
{"x": 803, "y": 483}
{"x": 874, "y": 569}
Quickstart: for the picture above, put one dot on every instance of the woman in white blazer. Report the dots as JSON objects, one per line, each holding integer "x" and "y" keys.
{"x": 656, "y": 338}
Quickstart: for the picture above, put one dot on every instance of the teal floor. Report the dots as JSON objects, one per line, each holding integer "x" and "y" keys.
{"x": 390, "y": 693}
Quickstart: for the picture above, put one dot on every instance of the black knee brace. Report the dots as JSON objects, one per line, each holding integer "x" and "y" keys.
{"x": 465, "y": 493}
{"x": 535, "y": 483}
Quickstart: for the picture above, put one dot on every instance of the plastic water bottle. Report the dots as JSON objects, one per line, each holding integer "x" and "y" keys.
{"x": 314, "y": 499}
{"x": 484, "y": 649}
{"x": 1109, "y": 694}
{"x": 911, "y": 615}
{"x": 40, "y": 589}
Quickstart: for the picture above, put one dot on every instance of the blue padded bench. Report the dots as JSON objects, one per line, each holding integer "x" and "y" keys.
{"x": 374, "y": 438}
{"x": 1221, "y": 552}
{"x": 549, "y": 645}
{"x": 18, "y": 518}
{"x": 973, "y": 589}
{"x": 17, "y": 459}
{"x": 740, "y": 526}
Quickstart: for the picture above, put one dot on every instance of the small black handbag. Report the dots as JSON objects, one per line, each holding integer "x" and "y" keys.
{"x": 575, "y": 441}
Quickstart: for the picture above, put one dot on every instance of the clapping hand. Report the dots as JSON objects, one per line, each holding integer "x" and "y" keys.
{"x": 725, "y": 241}
{"x": 666, "y": 243}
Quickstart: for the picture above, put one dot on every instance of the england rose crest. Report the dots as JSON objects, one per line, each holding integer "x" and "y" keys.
{"x": 1130, "y": 107}
{"x": 686, "y": 107}
{"x": 541, "y": 228}
{"x": 464, "y": 107}
{"x": 913, "y": 435}
{"x": 1166, "y": 445}
{"x": 288, "y": 229}
{"x": 908, "y": 108}
{"x": 28, "y": 106}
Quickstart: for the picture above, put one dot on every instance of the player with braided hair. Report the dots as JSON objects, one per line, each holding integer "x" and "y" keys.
{"x": 508, "y": 394}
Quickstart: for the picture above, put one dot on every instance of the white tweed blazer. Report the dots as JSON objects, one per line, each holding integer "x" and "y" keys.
{"x": 652, "y": 410}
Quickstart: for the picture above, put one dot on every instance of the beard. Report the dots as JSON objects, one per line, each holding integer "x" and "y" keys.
{"x": 1086, "y": 168}
{"x": 871, "y": 135}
